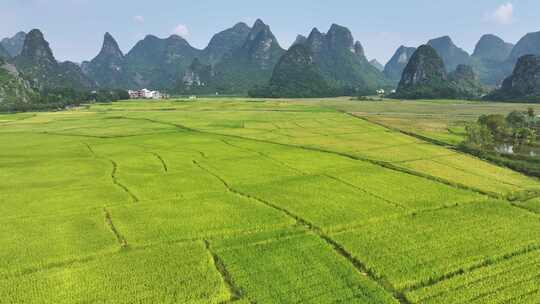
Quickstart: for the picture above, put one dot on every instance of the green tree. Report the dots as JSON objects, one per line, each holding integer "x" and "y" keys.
{"x": 531, "y": 119}
{"x": 479, "y": 137}
{"x": 497, "y": 126}
{"x": 516, "y": 119}
{"x": 530, "y": 113}
{"x": 523, "y": 137}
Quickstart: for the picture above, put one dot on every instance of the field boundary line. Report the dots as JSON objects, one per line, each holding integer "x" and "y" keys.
{"x": 91, "y": 150}
{"x": 434, "y": 142}
{"x": 411, "y": 212}
{"x": 49, "y": 266}
{"x": 524, "y": 208}
{"x": 17, "y": 120}
{"x": 98, "y": 255}
{"x": 411, "y": 134}
{"x": 108, "y": 220}
{"x": 267, "y": 157}
{"x": 340, "y": 250}
{"x": 425, "y": 158}
{"x": 308, "y": 110}
{"x": 162, "y": 161}
{"x": 481, "y": 264}
{"x": 298, "y": 219}
{"x": 483, "y": 294}
{"x": 235, "y": 291}
{"x": 119, "y": 184}
{"x": 478, "y": 175}
{"x": 99, "y": 136}
{"x": 397, "y": 205}
{"x": 113, "y": 173}
{"x": 532, "y": 292}
{"x": 447, "y": 146}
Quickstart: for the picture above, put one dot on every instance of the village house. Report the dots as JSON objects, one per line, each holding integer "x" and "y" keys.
{"x": 147, "y": 94}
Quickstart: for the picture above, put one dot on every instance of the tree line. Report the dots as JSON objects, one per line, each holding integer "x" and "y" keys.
{"x": 516, "y": 130}
{"x": 59, "y": 98}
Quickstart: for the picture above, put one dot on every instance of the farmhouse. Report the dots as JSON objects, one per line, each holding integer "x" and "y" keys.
{"x": 147, "y": 94}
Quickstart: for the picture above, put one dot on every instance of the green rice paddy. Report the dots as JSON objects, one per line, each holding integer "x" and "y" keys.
{"x": 235, "y": 201}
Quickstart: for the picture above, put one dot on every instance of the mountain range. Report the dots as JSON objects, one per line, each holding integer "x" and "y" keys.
{"x": 234, "y": 61}
{"x": 493, "y": 58}
{"x": 242, "y": 57}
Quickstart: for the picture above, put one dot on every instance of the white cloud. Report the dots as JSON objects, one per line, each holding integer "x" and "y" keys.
{"x": 504, "y": 14}
{"x": 138, "y": 19}
{"x": 181, "y": 30}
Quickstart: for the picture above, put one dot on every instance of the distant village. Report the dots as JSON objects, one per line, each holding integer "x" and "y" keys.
{"x": 147, "y": 94}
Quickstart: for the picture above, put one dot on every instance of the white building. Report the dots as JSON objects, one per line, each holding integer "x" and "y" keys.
{"x": 147, "y": 94}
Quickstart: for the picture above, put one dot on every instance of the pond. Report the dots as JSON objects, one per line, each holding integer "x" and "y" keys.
{"x": 510, "y": 149}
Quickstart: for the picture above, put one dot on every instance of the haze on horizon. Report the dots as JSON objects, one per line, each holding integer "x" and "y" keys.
{"x": 75, "y": 28}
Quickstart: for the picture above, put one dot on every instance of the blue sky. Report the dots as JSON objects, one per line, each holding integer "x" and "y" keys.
{"x": 75, "y": 28}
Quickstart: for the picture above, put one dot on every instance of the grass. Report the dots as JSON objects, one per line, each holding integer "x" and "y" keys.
{"x": 181, "y": 273}
{"x": 420, "y": 249}
{"x": 198, "y": 217}
{"x": 511, "y": 281}
{"x": 231, "y": 201}
{"x": 35, "y": 243}
{"x": 300, "y": 268}
{"x": 441, "y": 122}
{"x": 532, "y": 204}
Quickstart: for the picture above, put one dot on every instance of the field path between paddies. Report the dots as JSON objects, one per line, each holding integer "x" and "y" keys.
{"x": 232, "y": 201}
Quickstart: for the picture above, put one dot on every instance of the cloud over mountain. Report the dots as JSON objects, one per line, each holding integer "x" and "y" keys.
{"x": 181, "y": 30}
{"x": 504, "y": 14}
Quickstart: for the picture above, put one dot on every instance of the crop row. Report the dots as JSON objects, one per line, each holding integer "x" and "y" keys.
{"x": 513, "y": 280}
{"x": 181, "y": 273}
{"x": 297, "y": 269}
{"x": 423, "y": 248}
{"x": 45, "y": 174}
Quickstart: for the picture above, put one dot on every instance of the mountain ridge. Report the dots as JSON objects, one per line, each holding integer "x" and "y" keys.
{"x": 295, "y": 76}
{"x": 40, "y": 67}
{"x": 13, "y": 45}
{"x": 342, "y": 60}
{"x": 243, "y": 56}
{"x": 251, "y": 64}
{"x": 393, "y": 70}
{"x": 450, "y": 53}
{"x": 108, "y": 68}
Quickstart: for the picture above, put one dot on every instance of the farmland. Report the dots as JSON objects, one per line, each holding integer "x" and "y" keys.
{"x": 254, "y": 201}
{"x": 440, "y": 120}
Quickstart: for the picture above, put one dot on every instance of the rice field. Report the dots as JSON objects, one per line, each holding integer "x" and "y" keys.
{"x": 253, "y": 201}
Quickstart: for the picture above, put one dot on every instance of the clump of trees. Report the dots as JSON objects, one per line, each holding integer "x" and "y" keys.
{"x": 491, "y": 132}
{"x": 60, "y": 98}
{"x": 70, "y": 96}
